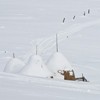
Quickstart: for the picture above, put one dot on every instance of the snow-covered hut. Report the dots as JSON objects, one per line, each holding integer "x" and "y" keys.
{"x": 36, "y": 67}
{"x": 14, "y": 65}
{"x": 58, "y": 62}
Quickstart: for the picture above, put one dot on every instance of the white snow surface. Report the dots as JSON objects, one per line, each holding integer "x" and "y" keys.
{"x": 27, "y": 23}
{"x": 58, "y": 62}
{"x": 36, "y": 67}
{"x": 18, "y": 87}
{"x": 14, "y": 65}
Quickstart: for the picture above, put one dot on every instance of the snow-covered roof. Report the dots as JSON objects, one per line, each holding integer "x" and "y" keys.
{"x": 58, "y": 62}
{"x": 36, "y": 67}
{"x": 14, "y": 65}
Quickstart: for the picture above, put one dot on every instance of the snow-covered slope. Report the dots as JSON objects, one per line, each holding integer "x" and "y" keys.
{"x": 27, "y": 23}
{"x": 36, "y": 67}
{"x": 16, "y": 87}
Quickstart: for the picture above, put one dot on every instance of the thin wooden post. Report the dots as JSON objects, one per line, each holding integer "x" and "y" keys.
{"x": 36, "y": 49}
{"x": 13, "y": 55}
{"x": 84, "y": 13}
{"x": 88, "y": 11}
{"x": 73, "y": 17}
{"x": 56, "y": 42}
{"x": 63, "y": 20}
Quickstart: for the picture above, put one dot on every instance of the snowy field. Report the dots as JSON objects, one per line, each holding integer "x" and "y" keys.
{"x": 27, "y": 23}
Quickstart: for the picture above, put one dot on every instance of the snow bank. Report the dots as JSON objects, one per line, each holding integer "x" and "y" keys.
{"x": 36, "y": 67}
{"x": 58, "y": 62}
{"x": 14, "y": 65}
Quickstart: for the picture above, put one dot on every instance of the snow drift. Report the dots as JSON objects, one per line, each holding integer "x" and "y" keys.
{"x": 14, "y": 65}
{"x": 58, "y": 62}
{"x": 36, "y": 67}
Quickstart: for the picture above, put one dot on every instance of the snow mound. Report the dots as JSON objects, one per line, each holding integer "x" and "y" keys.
{"x": 58, "y": 62}
{"x": 14, "y": 65}
{"x": 36, "y": 67}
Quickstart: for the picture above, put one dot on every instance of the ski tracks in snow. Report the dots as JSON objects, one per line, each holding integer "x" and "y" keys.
{"x": 46, "y": 44}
